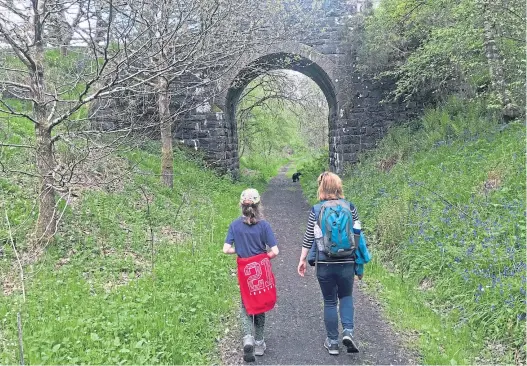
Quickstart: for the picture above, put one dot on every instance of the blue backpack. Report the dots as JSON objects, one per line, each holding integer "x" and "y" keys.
{"x": 336, "y": 225}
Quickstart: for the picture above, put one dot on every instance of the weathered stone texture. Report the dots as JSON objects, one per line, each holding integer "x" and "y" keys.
{"x": 357, "y": 119}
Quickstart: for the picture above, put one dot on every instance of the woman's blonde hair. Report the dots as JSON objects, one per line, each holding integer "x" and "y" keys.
{"x": 329, "y": 187}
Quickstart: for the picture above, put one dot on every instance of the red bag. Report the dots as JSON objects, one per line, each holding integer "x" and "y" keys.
{"x": 257, "y": 283}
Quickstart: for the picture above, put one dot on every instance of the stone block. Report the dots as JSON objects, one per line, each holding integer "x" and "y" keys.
{"x": 368, "y": 145}
{"x": 349, "y": 158}
{"x": 329, "y": 48}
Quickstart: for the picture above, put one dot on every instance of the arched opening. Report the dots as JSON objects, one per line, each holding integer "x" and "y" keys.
{"x": 263, "y": 66}
{"x": 281, "y": 116}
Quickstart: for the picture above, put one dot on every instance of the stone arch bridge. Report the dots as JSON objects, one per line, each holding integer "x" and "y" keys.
{"x": 356, "y": 119}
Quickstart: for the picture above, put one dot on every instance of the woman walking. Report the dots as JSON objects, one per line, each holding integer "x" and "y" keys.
{"x": 248, "y": 237}
{"x": 335, "y": 263}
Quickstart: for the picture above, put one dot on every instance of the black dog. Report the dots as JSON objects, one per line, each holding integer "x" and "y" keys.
{"x": 296, "y": 177}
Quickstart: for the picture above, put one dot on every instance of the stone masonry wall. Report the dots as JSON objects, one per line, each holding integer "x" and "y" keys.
{"x": 357, "y": 118}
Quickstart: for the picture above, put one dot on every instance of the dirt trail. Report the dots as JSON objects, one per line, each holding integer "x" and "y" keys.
{"x": 295, "y": 329}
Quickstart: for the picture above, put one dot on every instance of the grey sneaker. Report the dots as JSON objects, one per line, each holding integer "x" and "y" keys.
{"x": 331, "y": 346}
{"x": 248, "y": 348}
{"x": 347, "y": 341}
{"x": 259, "y": 348}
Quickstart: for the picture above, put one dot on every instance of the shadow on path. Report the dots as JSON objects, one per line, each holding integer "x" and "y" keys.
{"x": 294, "y": 331}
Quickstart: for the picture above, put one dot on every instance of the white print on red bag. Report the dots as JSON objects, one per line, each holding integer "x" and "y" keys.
{"x": 255, "y": 282}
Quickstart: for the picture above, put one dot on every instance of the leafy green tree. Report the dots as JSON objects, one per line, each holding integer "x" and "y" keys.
{"x": 433, "y": 49}
{"x": 281, "y": 114}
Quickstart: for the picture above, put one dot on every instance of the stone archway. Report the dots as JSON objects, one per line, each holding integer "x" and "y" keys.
{"x": 293, "y": 56}
{"x": 357, "y": 118}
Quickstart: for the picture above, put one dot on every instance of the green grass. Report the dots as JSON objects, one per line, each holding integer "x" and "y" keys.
{"x": 101, "y": 292}
{"x": 427, "y": 332}
{"x": 442, "y": 201}
{"x": 16, "y": 193}
{"x": 100, "y": 295}
{"x": 298, "y": 163}
{"x": 262, "y": 168}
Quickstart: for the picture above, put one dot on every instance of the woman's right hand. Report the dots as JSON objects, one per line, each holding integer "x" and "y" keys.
{"x": 302, "y": 265}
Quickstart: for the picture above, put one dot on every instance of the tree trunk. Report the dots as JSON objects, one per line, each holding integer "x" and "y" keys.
{"x": 165, "y": 123}
{"x": 100, "y": 28}
{"x": 492, "y": 53}
{"x": 47, "y": 219}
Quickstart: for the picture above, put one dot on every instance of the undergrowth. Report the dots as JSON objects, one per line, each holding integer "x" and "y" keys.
{"x": 442, "y": 200}
{"x": 135, "y": 275}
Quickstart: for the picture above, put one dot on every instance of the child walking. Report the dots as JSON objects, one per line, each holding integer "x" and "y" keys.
{"x": 248, "y": 237}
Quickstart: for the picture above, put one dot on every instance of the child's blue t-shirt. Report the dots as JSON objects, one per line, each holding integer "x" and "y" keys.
{"x": 250, "y": 240}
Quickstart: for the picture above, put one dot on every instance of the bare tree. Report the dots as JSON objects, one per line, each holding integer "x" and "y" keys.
{"x": 142, "y": 49}
{"x": 55, "y": 98}
{"x": 183, "y": 30}
{"x": 64, "y": 18}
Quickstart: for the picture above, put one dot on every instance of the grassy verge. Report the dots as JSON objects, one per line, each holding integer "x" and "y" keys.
{"x": 261, "y": 168}
{"x": 442, "y": 201}
{"x": 136, "y": 274}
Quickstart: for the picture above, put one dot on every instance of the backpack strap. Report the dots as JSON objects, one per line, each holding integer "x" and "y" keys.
{"x": 349, "y": 226}
{"x": 317, "y": 209}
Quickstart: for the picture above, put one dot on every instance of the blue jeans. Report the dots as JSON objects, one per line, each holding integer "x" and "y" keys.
{"x": 336, "y": 281}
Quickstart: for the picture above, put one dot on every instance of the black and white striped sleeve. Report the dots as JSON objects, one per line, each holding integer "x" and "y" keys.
{"x": 309, "y": 236}
{"x": 354, "y": 213}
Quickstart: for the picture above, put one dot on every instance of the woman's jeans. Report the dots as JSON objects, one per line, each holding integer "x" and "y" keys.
{"x": 336, "y": 281}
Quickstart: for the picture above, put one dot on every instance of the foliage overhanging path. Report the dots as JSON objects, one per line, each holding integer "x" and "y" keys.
{"x": 295, "y": 329}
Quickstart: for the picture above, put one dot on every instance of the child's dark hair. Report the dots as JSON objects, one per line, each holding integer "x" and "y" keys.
{"x": 251, "y": 213}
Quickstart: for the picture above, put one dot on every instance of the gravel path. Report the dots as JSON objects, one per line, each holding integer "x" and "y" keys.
{"x": 294, "y": 328}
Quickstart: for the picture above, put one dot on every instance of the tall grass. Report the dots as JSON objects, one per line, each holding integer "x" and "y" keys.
{"x": 136, "y": 275}
{"x": 443, "y": 203}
